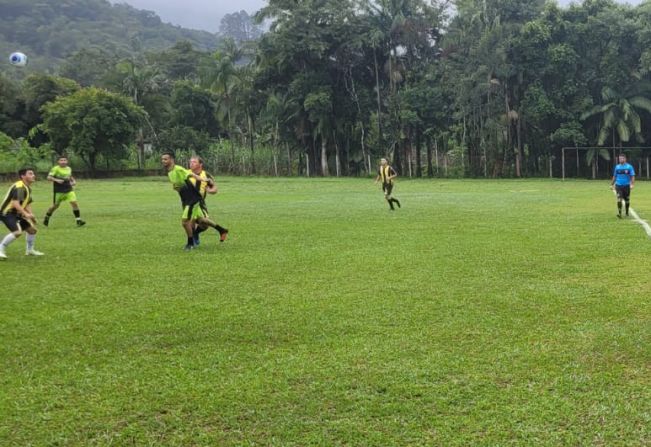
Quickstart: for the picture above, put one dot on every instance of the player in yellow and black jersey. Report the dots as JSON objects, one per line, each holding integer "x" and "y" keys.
{"x": 387, "y": 174}
{"x": 204, "y": 188}
{"x": 16, "y": 213}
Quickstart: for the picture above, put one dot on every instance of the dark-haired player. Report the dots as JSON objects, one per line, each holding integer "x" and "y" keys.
{"x": 63, "y": 183}
{"x": 623, "y": 181}
{"x": 16, "y": 213}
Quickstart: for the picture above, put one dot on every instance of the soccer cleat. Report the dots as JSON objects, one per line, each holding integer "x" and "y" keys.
{"x": 619, "y": 215}
{"x": 223, "y": 235}
{"x": 81, "y": 223}
{"x": 46, "y": 221}
{"x": 188, "y": 247}
{"x": 32, "y": 252}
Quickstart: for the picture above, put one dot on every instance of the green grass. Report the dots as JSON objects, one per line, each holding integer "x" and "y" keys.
{"x": 482, "y": 313}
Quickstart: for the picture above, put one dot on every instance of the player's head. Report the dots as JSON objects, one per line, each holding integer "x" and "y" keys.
{"x": 196, "y": 163}
{"x": 384, "y": 161}
{"x": 27, "y": 175}
{"x": 62, "y": 161}
{"x": 622, "y": 158}
{"x": 167, "y": 159}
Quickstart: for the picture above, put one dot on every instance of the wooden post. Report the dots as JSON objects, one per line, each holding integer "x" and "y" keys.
{"x": 563, "y": 158}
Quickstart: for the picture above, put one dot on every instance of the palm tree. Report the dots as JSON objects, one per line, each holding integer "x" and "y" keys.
{"x": 619, "y": 119}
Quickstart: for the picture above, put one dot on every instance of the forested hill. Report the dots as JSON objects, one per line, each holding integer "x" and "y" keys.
{"x": 51, "y": 30}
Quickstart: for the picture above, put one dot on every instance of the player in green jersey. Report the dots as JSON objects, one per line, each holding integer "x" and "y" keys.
{"x": 190, "y": 198}
{"x": 63, "y": 182}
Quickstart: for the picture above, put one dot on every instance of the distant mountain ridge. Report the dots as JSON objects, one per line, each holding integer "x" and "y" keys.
{"x": 48, "y": 31}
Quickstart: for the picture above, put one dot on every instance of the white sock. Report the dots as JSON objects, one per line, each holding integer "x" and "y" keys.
{"x": 30, "y": 241}
{"x": 8, "y": 240}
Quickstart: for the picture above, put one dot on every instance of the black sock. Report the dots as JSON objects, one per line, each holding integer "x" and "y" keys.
{"x": 619, "y": 207}
{"x": 77, "y": 213}
{"x": 397, "y": 202}
{"x": 190, "y": 241}
{"x": 628, "y": 205}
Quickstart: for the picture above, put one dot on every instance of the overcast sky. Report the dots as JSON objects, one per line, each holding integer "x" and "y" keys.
{"x": 206, "y": 14}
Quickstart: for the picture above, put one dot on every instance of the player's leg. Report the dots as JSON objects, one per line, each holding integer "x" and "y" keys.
{"x": 627, "y": 198}
{"x": 55, "y": 204}
{"x": 188, "y": 226}
{"x": 29, "y": 239}
{"x": 11, "y": 222}
{"x": 618, "y": 190}
{"x": 75, "y": 209}
{"x": 387, "y": 194}
{"x": 205, "y": 223}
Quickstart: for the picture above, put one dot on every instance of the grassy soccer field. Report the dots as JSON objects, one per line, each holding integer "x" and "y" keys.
{"x": 481, "y": 313}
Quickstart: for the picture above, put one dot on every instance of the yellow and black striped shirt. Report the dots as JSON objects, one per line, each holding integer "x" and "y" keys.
{"x": 201, "y": 186}
{"x": 385, "y": 173}
{"x": 19, "y": 191}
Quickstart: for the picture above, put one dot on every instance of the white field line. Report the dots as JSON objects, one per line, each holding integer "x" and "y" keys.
{"x": 637, "y": 218}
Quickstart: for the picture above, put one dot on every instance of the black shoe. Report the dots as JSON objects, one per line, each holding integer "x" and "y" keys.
{"x": 81, "y": 223}
{"x": 188, "y": 247}
{"x": 46, "y": 221}
{"x": 619, "y": 215}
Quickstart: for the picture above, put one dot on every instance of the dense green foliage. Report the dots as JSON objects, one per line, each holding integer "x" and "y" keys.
{"x": 489, "y": 88}
{"x": 482, "y": 313}
{"x": 52, "y": 30}
{"x": 92, "y": 123}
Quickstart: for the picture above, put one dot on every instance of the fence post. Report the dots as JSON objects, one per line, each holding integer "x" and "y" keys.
{"x": 563, "y": 158}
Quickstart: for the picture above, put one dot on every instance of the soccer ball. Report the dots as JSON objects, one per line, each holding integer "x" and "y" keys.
{"x": 18, "y": 59}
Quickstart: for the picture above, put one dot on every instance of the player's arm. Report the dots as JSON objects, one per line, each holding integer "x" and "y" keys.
{"x": 72, "y": 181}
{"x": 55, "y": 179}
{"x": 26, "y": 212}
{"x": 211, "y": 186}
{"x": 393, "y": 174}
{"x": 612, "y": 182}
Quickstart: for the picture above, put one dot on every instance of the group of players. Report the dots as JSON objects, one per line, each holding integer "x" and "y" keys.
{"x": 193, "y": 185}
{"x": 16, "y": 207}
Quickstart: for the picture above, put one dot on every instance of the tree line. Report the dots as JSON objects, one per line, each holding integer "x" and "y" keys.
{"x": 490, "y": 88}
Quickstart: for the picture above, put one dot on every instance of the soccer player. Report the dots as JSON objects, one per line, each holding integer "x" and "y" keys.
{"x": 190, "y": 198}
{"x": 16, "y": 213}
{"x": 387, "y": 174}
{"x": 205, "y": 187}
{"x": 623, "y": 181}
{"x": 63, "y": 182}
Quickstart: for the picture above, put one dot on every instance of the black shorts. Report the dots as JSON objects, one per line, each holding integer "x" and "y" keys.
{"x": 623, "y": 192}
{"x": 387, "y": 188}
{"x": 12, "y": 222}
